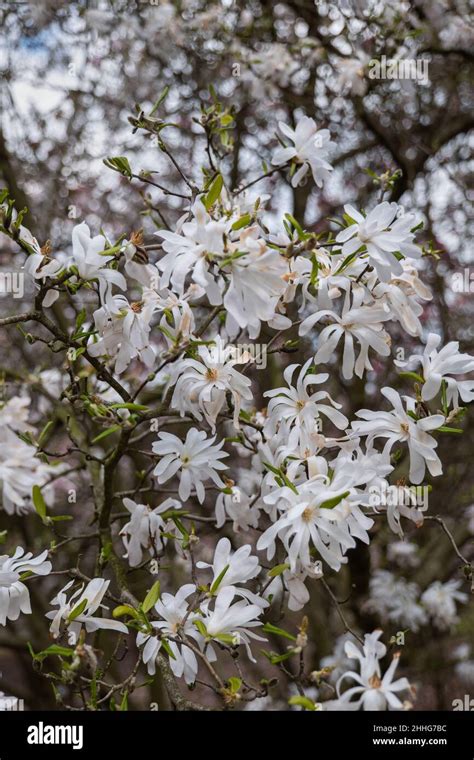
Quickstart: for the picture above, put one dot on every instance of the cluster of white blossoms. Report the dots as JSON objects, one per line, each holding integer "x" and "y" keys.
{"x": 20, "y": 468}
{"x": 305, "y": 494}
{"x": 193, "y": 618}
{"x": 401, "y": 602}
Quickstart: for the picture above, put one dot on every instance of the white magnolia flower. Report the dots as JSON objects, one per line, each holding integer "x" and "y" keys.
{"x": 91, "y": 265}
{"x": 310, "y": 148}
{"x": 338, "y": 661}
{"x": 396, "y": 600}
{"x": 374, "y": 691}
{"x": 124, "y": 330}
{"x": 398, "y": 425}
{"x": 316, "y": 513}
{"x": 359, "y": 322}
{"x": 440, "y": 365}
{"x": 202, "y": 385}
{"x": 192, "y": 248}
{"x": 300, "y": 408}
{"x": 382, "y": 233}
{"x": 397, "y": 501}
{"x": 194, "y": 461}
{"x": 20, "y": 470}
{"x": 14, "y": 595}
{"x": 145, "y": 529}
{"x": 404, "y": 553}
{"x": 440, "y": 601}
{"x": 79, "y": 610}
{"x": 257, "y": 283}
{"x": 233, "y": 568}
{"x": 351, "y": 74}
{"x": 239, "y": 505}
{"x": 175, "y": 620}
{"x": 40, "y": 266}
{"x": 230, "y": 621}
{"x": 402, "y": 295}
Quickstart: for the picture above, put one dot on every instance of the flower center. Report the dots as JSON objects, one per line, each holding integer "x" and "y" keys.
{"x": 212, "y": 374}
{"x": 375, "y": 682}
{"x": 136, "y": 306}
{"x": 405, "y": 428}
{"x": 300, "y": 404}
{"x": 307, "y": 515}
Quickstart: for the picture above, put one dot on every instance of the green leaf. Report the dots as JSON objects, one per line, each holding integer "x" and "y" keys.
{"x": 308, "y": 704}
{"x": 61, "y": 518}
{"x": 413, "y": 376}
{"x": 124, "y": 609}
{"x": 3, "y": 536}
{"x": 152, "y": 597}
{"x": 445, "y": 429}
{"x": 167, "y": 648}
{"x": 132, "y": 407}
{"x": 54, "y": 649}
{"x": 119, "y": 164}
{"x": 81, "y": 318}
{"x": 160, "y": 100}
{"x": 78, "y": 610}
{"x": 218, "y": 580}
{"x": 201, "y": 627}
{"x": 44, "y": 433}
{"x": 331, "y": 503}
{"x": 281, "y": 475}
{"x": 297, "y": 226}
{"x": 278, "y": 570}
{"x": 234, "y": 684}
{"x": 242, "y": 222}
{"x": 214, "y": 192}
{"x": 105, "y": 433}
{"x": 269, "y": 628}
{"x": 39, "y": 502}
{"x": 226, "y": 638}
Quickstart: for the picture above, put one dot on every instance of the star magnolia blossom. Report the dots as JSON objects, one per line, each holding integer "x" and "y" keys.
{"x": 203, "y": 385}
{"x": 396, "y": 600}
{"x": 440, "y": 601}
{"x": 40, "y": 266}
{"x": 175, "y": 619}
{"x": 382, "y": 234}
{"x": 190, "y": 249}
{"x": 145, "y": 529}
{"x": 316, "y": 513}
{"x": 257, "y": 282}
{"x": 359, "y": 322}
{"x": 14, "y": 595}
{"x": 194, "y": 461}
{"x": 309, "y": 149}
{"x": 124, "y": 331}
{"x": 79, "y": 610}
{"x": 233, "y": 568}
{"x": 374, "y": 691}
{"x": 20, "y": 470}
{"x": 91, "y": 265}
{"x": 398, "y": 425}
{"x": 230, "y": 621}
{"x": 437, "y": 367}
{"x": 300, "y": 408}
